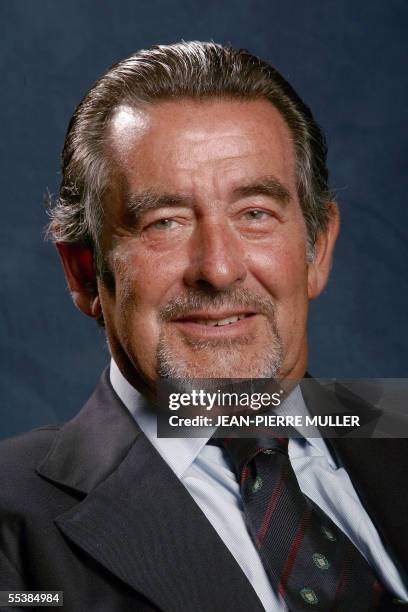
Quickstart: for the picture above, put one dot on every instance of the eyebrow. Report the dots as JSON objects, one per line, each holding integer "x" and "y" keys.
{"x": 138, "y": 203}
{"x": 268, "y": 186}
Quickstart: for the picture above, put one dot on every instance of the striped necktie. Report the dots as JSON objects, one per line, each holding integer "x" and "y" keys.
{"x": 309, "y": 560}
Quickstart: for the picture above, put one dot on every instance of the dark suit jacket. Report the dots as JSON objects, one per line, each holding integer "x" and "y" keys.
{"x": 91, "y": 509}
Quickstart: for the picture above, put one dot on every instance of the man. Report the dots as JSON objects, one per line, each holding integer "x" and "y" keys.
{"x": 195, "y": 223}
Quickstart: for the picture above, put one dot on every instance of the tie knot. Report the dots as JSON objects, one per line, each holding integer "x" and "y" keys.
{"x": 243, "y": 450}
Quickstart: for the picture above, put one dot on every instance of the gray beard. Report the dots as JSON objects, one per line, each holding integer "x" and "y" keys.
{"x": 226, "y": 358}
{"x": 187, "y": 358}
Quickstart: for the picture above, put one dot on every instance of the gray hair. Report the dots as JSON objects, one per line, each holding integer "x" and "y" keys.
{"x": 184, "y": 70}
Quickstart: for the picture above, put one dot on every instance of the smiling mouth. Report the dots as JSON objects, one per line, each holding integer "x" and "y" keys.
{"x": 221, "y": 322}
{"x": 211, "y": 320}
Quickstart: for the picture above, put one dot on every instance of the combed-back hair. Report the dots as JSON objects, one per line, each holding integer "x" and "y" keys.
{"x": 197, "y": 70}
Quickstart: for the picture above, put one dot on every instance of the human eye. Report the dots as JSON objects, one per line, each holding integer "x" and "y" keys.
{"x": 256, "y": 221}
{"x": 163, "y": 224}
{"x": 257, "y": 214}
{"x": 166, "y": 229}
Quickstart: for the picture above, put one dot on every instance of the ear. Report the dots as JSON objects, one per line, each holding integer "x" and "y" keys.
{"x": 77, "y": 260}
{"x": 319, "y": 268}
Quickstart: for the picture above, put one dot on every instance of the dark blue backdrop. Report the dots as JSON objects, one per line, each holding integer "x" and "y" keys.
{"x": 347, "y": 59}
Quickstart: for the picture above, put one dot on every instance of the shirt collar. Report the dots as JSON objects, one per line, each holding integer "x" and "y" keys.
{"x": 294, "y": 405}
{"x": 180, "y": 453}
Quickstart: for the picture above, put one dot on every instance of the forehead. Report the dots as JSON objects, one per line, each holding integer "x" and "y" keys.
{"x": 192, "y": 144}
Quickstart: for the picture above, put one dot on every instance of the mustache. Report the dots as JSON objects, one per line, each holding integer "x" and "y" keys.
{"x": 199, "y": 299}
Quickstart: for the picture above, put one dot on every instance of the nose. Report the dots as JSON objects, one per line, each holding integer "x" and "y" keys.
{"x": 216, "y": 257}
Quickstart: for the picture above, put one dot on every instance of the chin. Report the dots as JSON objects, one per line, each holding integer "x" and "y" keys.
{"x": 215, "y": 361}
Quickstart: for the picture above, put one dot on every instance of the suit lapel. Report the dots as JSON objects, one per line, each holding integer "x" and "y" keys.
{"x": 90, "y": 446}
{"x": 137, "y": 519}
{"x": 377, "y": 467}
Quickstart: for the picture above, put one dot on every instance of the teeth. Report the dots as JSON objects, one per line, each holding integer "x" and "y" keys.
{"x": 221, "y": 322}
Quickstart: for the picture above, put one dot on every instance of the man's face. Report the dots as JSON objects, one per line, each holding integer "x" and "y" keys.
{"x": 206, "y": 241}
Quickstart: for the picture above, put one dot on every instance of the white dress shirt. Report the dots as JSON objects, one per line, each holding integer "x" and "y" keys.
{"x": 209, "y": 477}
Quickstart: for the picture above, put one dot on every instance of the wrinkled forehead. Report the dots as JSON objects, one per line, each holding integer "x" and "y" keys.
{"x": 187, "y": 146}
